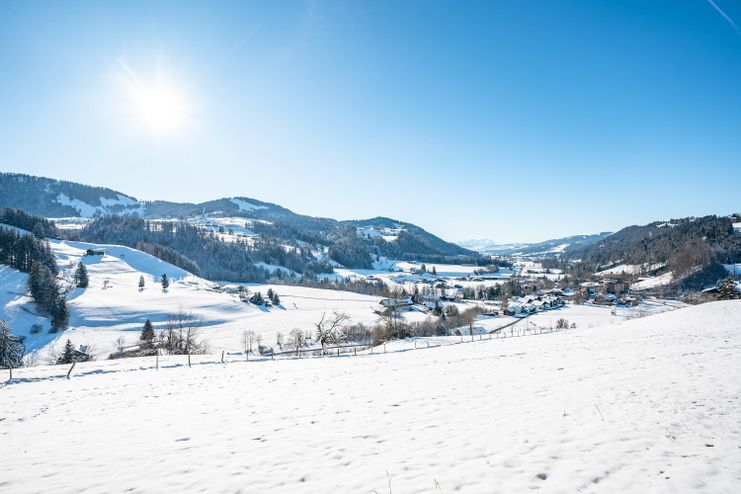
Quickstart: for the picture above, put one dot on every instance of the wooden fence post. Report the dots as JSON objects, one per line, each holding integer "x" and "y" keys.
{"x": 10, "y": 369}
{"x": 189, "y": 361}
{"x": 70, "y": 369}
{"x": 222, "y": 356}
{"x": 157, "y": 361}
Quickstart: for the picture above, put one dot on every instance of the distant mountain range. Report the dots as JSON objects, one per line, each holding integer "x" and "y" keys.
{"x": 547, "y": 247}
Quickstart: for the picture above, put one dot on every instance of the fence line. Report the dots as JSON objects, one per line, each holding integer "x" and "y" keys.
{"x": 292, "y": 354}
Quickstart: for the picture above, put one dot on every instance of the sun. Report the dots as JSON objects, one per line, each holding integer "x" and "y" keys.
{"x": 159, "y": 104}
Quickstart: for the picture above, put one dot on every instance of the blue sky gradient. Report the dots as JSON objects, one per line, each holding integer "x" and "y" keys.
{"x": 514, "y": 120}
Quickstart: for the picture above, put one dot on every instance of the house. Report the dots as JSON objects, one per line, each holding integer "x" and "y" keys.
{"x": 94, "y": 252}
{"x": 589, "y": 288}
{"x": 615, "y": 286}
{"x": 396, "y": 303}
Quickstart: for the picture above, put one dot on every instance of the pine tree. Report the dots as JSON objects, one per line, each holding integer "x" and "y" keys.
{"x": 147, "y": 336}
{"x": 270, "y": 294}
{"x": 68, "y": 355}
{"x": 727, "y": 289}
{"x": 165, "y": 282}
{"x": 38, "y": 231}
{"x": 141, "y": 282}
{"x": 11, "y": 347}
{"x": 60, "y": 314}
{"x": 276, "y": 299}
{"x": 81, "y": 276}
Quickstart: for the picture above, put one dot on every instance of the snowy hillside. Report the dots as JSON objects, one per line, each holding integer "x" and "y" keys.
{"x": 113, "y": 306}
{"x": 649, "y": 405}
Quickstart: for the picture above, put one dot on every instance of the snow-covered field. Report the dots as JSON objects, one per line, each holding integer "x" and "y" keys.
{"x": 648, "y": 405}
{"x": 113, "y": 306}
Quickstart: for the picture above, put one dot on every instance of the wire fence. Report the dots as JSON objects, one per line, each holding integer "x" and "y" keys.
{"x": 157, "y": 362}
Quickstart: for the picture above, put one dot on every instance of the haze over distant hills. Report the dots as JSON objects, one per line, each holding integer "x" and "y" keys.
{"x": 553, "y": 246}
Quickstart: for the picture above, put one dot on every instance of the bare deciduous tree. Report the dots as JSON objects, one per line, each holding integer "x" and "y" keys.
{"x": 296, "y": 339}
{"x": 181, "y": 332}
{"x": 330, "y": 328}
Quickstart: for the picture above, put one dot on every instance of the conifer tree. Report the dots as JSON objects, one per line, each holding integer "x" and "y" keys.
{"x": 147, "y": 336}
{"x": 11, "y": 347}
{"x": 38, "y": 231}
{"x": 165, "y": 281}
{"x": 60, "y": 314}
{"x": 68, "y": 355}
{"x": 727, "y": 289}
{"x": 141, "y": 282}
{"x": 81, "y": 276}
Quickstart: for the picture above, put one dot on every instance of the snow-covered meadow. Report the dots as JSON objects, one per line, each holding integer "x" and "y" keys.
{"x": 647, "y": 405}
{"x": 113, "y": 306}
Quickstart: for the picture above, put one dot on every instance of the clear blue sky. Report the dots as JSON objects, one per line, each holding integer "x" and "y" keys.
{"x": 514, "y": 120}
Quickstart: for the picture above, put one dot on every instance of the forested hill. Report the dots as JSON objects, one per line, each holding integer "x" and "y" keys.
{"x": 353, "y": 243}
{"x": 693, "y": 249}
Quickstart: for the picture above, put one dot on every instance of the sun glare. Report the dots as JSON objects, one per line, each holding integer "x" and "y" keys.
{"x": 158, "y": 105}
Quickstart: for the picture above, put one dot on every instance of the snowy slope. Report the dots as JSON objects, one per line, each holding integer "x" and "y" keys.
{"x": 649, "y": 405}
{"x": 113, "y": 306}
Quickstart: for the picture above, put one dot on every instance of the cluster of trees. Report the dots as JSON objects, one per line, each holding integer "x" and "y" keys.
{"x": 392, "y": 325}
{"x": 38, "y": 225}
{"x": 180, "y": 336}
{"x": 357, "y": 285}
{"x": 257, "y": 298}
{"x": 31, "y": 254}
{"x": 70, "y": 355}
{"x": 21, "y": 251}
{"x": 199, "y": 251}
{"x": 48, "y": 295}
{"x": 273, "y": 297}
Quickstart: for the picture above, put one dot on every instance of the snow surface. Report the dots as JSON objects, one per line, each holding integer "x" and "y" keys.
{"x": 89, "y": 210}
{"x": 648, "y": 405}
{"x": 653, "y": 282}
{"x": 113, "y": 306}
{"x": 246, "y": 205}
